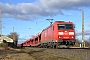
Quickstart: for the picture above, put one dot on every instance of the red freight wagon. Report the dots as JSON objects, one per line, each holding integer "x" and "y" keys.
{"x": 26, "y": 43}
{"x": 35, "y": 41}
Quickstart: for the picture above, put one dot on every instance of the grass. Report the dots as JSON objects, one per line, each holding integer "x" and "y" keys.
{"x": 40, "y": 55}
{"x": 4, "y": 46}
{"x": 29, "y": 54}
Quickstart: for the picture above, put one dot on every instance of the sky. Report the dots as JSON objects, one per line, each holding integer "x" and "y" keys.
{"x": 28, "y": 17}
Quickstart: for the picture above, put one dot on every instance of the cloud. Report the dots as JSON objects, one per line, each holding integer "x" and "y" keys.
{"x": 68, "y": 14}
{"x": 32, "y": 36}
{"x": 88, "y": 24}
{"x": 86, "y": 32}
{"x": 68, "y": 4}
{"x": 21, "y": 40}
{"x": 43, "y": 8}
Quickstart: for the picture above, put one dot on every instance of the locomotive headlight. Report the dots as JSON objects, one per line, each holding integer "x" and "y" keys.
{"x": 60, "y": 37}
{"x": 60, "y": 33}
{"x": 72, "y": 37}
{"x": 71, "y": 33}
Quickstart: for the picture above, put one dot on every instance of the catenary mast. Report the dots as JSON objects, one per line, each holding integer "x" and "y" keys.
{"x": 1, "y": 24}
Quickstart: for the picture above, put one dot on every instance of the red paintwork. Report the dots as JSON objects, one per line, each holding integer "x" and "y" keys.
{"x": 51, "y": 33}
{"x": 32, "y": 41}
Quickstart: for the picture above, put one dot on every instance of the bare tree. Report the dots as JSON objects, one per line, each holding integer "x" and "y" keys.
{"x": 14, "y": 36}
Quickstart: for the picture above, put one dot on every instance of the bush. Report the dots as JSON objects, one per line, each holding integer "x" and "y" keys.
{"x": 3, "y": 44}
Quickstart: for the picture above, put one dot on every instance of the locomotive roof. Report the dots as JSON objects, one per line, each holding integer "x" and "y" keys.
{"x": 62, "y": 22}
{"x": 59, "y": 21}
{"x": 56, "y": 22}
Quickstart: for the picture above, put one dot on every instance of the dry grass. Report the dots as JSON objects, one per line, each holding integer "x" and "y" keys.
{"x": 28, "y": 54}
{"x": 41, "y": 55}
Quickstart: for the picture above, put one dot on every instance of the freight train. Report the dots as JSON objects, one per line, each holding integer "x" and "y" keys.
{"x": 57, "y": 34}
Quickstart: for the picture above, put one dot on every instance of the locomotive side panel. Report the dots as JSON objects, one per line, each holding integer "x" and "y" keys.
{"x": 47, "y": 35}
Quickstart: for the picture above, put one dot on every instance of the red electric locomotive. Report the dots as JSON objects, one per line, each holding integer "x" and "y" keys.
{"x": 57, "y": 34}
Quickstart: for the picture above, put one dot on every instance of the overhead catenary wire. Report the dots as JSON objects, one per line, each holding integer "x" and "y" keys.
{"x": 67, "y": 5}
{"x": 60, "y": 10}
{"x": 64, "y": 6}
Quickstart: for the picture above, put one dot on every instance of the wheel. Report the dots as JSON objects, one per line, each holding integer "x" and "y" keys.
{"x": 56, "y": 46}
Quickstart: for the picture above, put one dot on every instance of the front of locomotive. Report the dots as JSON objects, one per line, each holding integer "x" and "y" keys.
{"x": 66, "y": 33}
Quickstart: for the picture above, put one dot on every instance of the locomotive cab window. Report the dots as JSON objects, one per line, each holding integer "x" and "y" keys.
{"x": 61, "y": 27}
{"x": 65, "y": 26}
{"x": 69, "y": 26}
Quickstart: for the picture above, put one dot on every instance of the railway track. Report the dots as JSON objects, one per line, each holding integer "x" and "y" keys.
{"x": 83, "y": 53}
{"x": 76, "y": 48}
{"x": 87, "y": 48}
